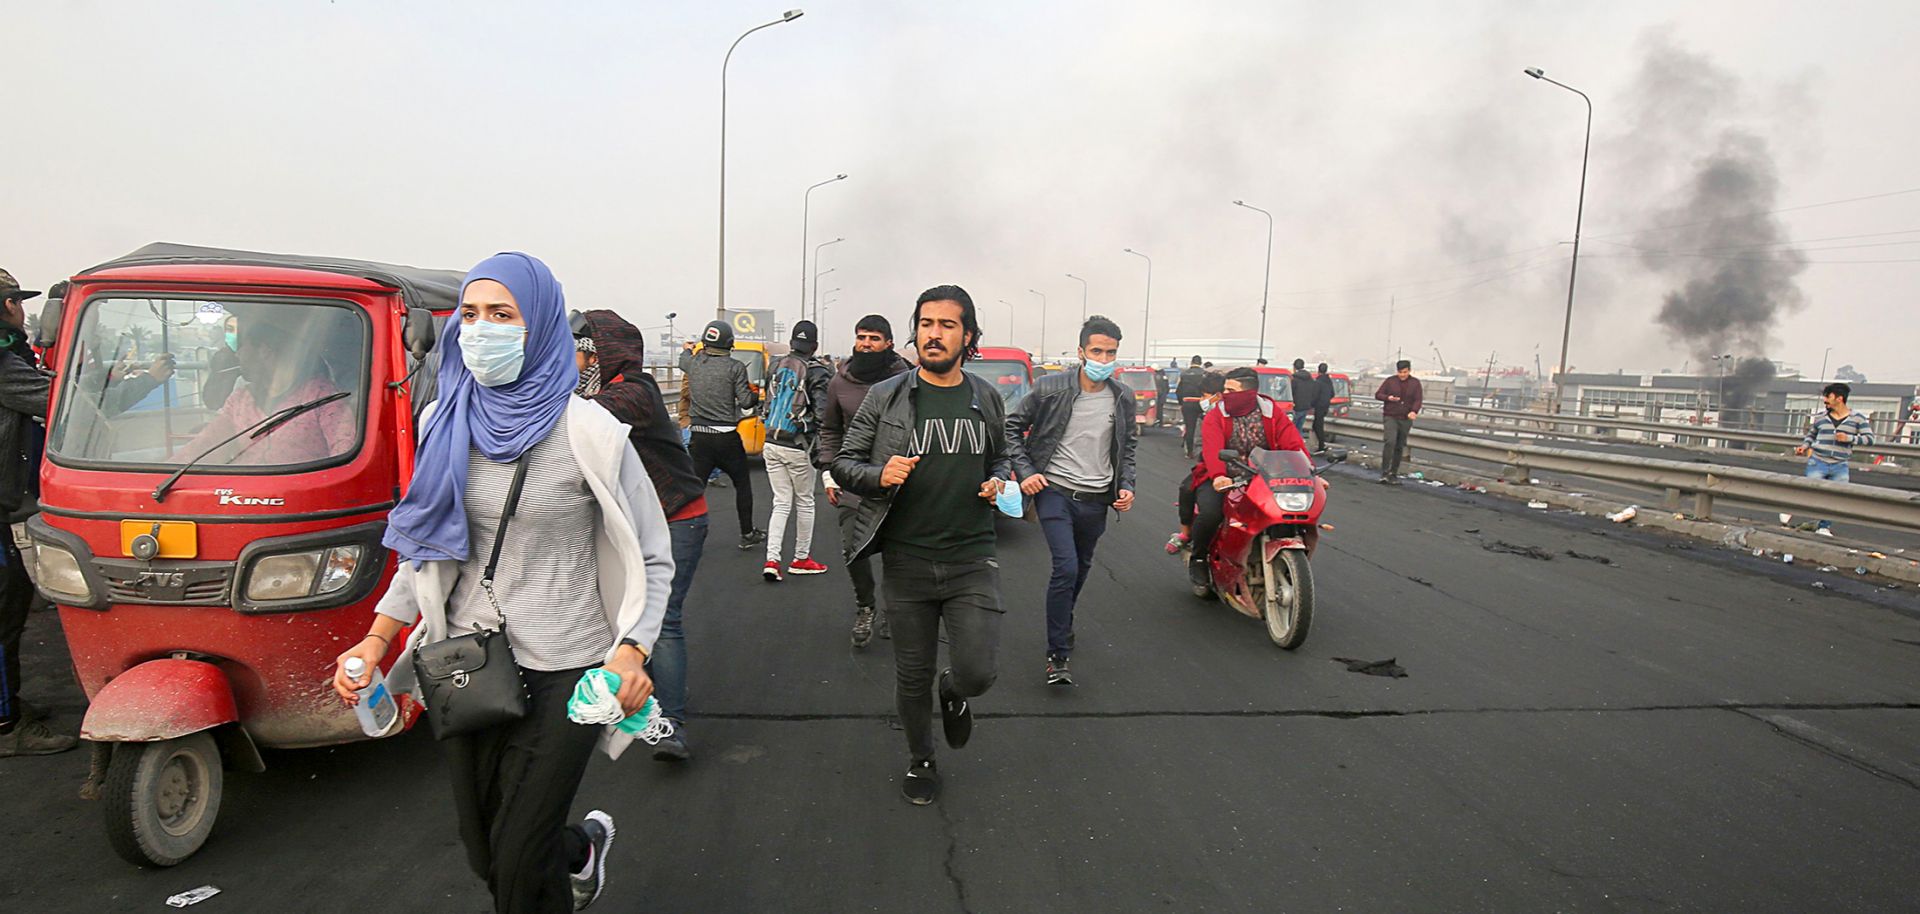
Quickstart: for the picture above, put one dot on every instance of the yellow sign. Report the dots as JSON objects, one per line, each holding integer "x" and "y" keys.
{"x": 178, "y": 539}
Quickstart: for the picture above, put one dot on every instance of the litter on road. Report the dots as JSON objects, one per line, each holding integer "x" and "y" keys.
{"x": 192, "y": 896}
{"x": 1624, "y": 514}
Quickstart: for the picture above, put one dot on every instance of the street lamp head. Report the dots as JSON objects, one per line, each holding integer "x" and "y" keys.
{"x": 839, "y": 177}
{"x": 1239, "y": 203}
{"x": 1536, "y": 72}
{"x": 672, "y": 314}
{"x": 791, "y": 15}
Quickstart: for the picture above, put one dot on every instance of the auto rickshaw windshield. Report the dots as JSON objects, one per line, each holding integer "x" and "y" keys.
{"x": 155, "y": 383}
{"x": 1009, "y": 377}
{"x": 755, "y": 360}
{"x": 1277, "y": 386}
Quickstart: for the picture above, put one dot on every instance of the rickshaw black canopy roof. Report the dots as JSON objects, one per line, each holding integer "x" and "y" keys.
{"x": 435, "y": 290}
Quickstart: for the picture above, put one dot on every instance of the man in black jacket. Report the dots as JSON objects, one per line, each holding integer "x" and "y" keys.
{"x": 1072, "y": 442}
{"x": 1305, "y": 392}
{"x": 874, "y": 360}
{"x": 1189, "y": 394}
{"x": 612, "y": 374}
{"x": 717, "y": 397}
{"x": 1322, "y": 402}
{"x": 926, "y": 456}
{"x": 23, "y": 406}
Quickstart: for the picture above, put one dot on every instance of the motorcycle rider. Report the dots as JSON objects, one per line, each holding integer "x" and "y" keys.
{"x": 874, "y": 360}
{"x": 1245, "y": 419}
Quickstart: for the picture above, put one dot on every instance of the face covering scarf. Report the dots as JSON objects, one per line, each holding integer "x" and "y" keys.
{"x": 1240, "y": 402}
{"x": 590, "y": 378}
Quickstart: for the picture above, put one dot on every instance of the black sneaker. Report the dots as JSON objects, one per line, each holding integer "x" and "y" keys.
{"x": 1197, "y": 573}
{"x": 880, "y": 627}
{"x": 956, "y": 716}
{"x": 752, "y": 538}
{"x": 922, "y": 783}
{"x": 33, "y": 737}
{"x": 1057, "y": 672}
{"x": 673, "y": 747}
{"x": 588, "y": 883}
{"x": 862, "y": 626}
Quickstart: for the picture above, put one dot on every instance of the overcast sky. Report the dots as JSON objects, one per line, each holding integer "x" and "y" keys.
{"x": 1001, "y": 145}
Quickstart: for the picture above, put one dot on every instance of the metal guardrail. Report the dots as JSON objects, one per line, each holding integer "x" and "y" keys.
{"x": 1705, "y": 482}
{"x": 1659, "y": 428}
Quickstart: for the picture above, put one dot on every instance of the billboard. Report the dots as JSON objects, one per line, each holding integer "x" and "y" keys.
{"x": 752, "y": 324}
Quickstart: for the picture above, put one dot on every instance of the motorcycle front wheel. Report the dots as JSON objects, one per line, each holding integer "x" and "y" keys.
{"x": 1287, "y": 603}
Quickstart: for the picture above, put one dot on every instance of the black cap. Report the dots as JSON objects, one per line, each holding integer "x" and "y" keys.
{"x": 718, "y": 335}
{"x": 806, "y": 338}
{"x": 9, "y": 288}
{"x": 1196, "y": 360}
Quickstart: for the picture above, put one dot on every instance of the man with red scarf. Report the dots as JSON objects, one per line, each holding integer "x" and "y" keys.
{"x": 1244, "y": 420}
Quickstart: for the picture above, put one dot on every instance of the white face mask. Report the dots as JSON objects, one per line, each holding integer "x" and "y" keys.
{"x": 494, "y": 353}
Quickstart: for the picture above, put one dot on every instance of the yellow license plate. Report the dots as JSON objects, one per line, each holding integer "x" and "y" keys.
{"x": 178, "y": 539}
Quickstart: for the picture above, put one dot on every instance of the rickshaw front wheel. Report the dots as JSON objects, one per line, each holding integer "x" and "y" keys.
{"x": 161, "y": 798}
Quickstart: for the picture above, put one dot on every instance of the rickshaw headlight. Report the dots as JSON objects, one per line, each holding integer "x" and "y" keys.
{"x": 58, "y": 573}
{"x": 1294, "y": 501}
{"x": 284, "y": 577}
{"x": 337, "y": 572}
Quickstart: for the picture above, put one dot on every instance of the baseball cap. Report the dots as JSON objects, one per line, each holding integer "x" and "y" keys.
{"x": 10, "y": 288}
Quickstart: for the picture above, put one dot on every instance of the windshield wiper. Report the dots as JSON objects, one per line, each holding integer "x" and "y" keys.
{"x": 258, "y": 429}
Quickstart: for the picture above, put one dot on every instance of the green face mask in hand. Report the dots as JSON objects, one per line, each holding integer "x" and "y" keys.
{"x": 596, "y": 701}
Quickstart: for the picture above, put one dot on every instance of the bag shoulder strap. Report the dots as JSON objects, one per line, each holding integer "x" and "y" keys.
{"x": 500, "y": 535}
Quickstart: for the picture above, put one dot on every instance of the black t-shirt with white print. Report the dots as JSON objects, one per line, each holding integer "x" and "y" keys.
{"x": 938, "y": 514}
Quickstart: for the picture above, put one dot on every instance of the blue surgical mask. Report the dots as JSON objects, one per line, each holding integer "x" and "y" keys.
{"x": 495, "y": 353}
{"x": 233, "y": 341}
{"x": 1098, "y": 372}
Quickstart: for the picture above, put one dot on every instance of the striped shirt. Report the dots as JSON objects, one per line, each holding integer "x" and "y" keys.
{"x": 548, "y": 582}
{"x": 1820, "y": 434}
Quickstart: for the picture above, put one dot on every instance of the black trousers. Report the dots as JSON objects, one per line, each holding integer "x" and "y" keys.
{"x": 1190, "y": 414}
{"x": 920, "y": 594}
{"x": 512, "y": 787}
{"x": 726, "y": 451}
{"x": 16, "y": 598}
{"x": 1320, "y": 428}
{"x": 1209, "y": 510}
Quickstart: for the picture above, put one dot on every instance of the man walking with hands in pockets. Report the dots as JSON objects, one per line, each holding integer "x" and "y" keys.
{"x": 926, "y": 455}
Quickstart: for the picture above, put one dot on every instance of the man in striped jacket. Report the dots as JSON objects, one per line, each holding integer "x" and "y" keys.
{"x": 1830, "y": 440}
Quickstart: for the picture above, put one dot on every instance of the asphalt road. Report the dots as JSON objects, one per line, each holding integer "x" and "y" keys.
{"x": 1673, "y": 729}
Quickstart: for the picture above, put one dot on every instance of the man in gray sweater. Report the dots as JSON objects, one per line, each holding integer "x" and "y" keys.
{"x": 718, "y": 397}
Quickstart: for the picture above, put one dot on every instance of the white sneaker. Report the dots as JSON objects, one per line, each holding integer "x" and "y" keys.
{"x": 1822, "y": 531}
{"x": 588, "y": 883}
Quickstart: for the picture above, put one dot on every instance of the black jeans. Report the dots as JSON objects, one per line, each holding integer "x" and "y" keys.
{"x": 726, "y": 451}
{"x": 512, "y": 788}
{"x": 860, "y": 569}
{"x": 1209, "y": 510}
{"x": 16, "y": 599}
{"x": 919, "y": 595}
{"x": 1073, "y": 529}
{"x": 1320, "y": 428}
{"x": 1190, "y": 414}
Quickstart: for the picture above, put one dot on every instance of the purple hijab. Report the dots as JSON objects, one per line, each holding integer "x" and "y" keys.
{"x": 503, "y": 422}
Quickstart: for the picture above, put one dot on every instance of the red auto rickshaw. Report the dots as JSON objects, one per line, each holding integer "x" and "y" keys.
{"x": 212, "y": 508}
{"x": 1145, "y": 384}
{"x": 1010, "y": 370}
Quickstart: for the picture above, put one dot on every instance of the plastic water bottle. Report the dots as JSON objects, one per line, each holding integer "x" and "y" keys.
{"x": 377, "y": 710}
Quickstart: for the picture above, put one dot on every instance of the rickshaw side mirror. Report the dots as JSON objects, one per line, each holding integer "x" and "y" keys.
{"x": 419, "y": 332}
{"x": 49, "y": 329}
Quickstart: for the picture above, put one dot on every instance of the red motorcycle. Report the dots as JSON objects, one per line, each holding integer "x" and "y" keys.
{"x": 1258, "y": 559}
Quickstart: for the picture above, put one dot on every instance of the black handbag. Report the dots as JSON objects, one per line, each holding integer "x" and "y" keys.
{"x": 470, "y": 683}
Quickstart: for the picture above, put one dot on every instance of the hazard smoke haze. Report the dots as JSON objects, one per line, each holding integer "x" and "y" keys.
{"x": 1410, "y": 166}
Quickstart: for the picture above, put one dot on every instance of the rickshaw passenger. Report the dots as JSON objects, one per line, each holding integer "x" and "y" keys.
{"x": 585, "y": 569}
{"x": 277, "y": 373}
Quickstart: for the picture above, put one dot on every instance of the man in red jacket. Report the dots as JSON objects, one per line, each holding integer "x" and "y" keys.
{"x": 1244, "y": 420}
{"x": 1400, "y": 402}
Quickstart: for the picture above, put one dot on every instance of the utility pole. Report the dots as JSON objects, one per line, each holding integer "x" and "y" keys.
{"x": 1487, "y": 385}
{"x": 1392, "y": 301}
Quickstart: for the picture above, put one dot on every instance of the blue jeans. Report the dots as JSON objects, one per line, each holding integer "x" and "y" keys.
{"x": 1820, "y": 469}
{"x": 1073, "y": 529}
{"x": 668, "y": 664}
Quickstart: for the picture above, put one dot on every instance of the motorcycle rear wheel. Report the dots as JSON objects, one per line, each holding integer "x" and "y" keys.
{"x": 1286, "y": 604}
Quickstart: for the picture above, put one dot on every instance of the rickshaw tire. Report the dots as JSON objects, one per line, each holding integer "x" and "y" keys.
{"x": 135, "y": 811}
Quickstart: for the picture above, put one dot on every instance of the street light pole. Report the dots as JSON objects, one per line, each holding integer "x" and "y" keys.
{"x": 816, "y": 277}
{"x": 1823, "y": 362}
{"x": 1043, "y": 321}
{"x": 1146, "y": 314}
{"x": 1083, "y": 297}
{"x": 806, "y": 213}
{"x": 1267, "y": 283}
{"x": 1010, "y": 318}
{"x": 1580, "y": 209}
{"x": 720, "y": 304}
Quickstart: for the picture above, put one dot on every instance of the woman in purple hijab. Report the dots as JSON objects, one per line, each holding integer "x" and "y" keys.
{"x": 585, "y": 568}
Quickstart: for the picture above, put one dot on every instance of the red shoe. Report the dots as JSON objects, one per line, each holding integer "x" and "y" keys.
{"x": 806, "y": 566}
{"x": 771, "y": 571}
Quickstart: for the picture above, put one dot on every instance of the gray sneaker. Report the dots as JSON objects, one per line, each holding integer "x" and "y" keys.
{"x": 588, "y": 883}
{"x": 862, "y": 626}
{"x": 33, "y": 737}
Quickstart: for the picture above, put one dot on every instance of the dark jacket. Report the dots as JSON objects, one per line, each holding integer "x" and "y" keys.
{"x": 818, "y": 375}
{"x": 1035, "y": 427}
{"x": 1190, "y": 382}
{"x": 633, "y": 397}
{"x": 24, "y": 389}
{"x": 1306, "y": 390}
{"x": 844, "y": 395}
{"x": 717, "y": 390}
{"x": 883, "y": 428}
{"x": 1408, "y": 391}
{"x": 1322, "y": 393}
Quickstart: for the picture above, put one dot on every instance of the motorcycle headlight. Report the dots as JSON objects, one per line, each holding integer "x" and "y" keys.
{"x": 297, "y": 575}
{"x": 1294, "y": 502}
{"x": 58, "y": 573}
